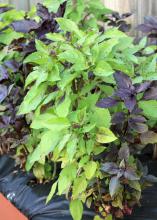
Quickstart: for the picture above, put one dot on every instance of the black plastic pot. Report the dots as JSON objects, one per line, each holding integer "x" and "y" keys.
{"x": 31, "y": 200}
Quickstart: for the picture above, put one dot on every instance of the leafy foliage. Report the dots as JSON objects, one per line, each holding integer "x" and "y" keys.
{"x": 76, "y": 70}
{"x": 84, "y": 90}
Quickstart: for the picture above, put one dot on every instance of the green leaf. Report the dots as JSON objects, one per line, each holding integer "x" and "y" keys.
{"x": 52, "y": 192}
{"x": 101, "y": 117}
{"x": 114, "y": 185}
{"x": 106, "y": 47}
{"x": 109, "y": 217}
{"x": 66, "y": 177}
{"x": 32, "y": 77}
{"x": 135, "y": 185}
{"x": 83, "y": 161}
{"x": 53, "y": 5}
{"x": 105, "y": 135}
{"x": 50, "y": 121}
{"x": 76, "y": 209}
{"x": 67, "y": 78}
{"x": 143, "y": 43}
{"x": 8, "y": 36}
{"x": 71, "y": 148}
{"x": 41, "y": 47}
{"x": 55, "y": 37}
{"x": 75, "y": 57}
{"x": 90, "y": 146}
{"x": 150, "y": 112}
{"x": 54, "y": 74}
{"x": 63, "y": 142}
{"x": 97, "y": 218}
{"x": 47, "y": 144}
{"x": 114, "y": 33}
{"x": 75, "y": 13}
{"x": 37, "y": 58}
{"x": 62, "y": 109}
{"x": 90, "y": 169}
{"x": 70, "y": 26}
{"x": 103, "y": 69}
{"x": 33, "y": 98}
{"x": 79, "y": 186}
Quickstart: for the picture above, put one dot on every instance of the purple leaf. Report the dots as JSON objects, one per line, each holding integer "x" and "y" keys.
{"x": 110, "y": 168}
{"x": 5, "y": 9}
{"x": 43, "y": 12}
{"x": 124, "y": 153}
{"x": 114, "y": 185}
{"x": 123, "y": 93}
{"x": 136, "y": 111}
{"x": 124, "y": 27}
{"x": 138, "y": 127}
{"x": 25, "y": 26}
{"x": 3, "y": 92}
{"x": 123, "y": 81}
{"x": 145, "y": 28}
{"x": 138, "y": 119}
{"x": 4, "y": 121}
{"x": 131, "y": 175}
{"x": 107, "y": 102}
{"x": 150, "y": 94}
{"x": 3, "y": 73}
{"x": 142, "y": 87}
{"x": 130, "y": 103}
{"x": 12, "y": 64}
{"x": 118, "y": 118}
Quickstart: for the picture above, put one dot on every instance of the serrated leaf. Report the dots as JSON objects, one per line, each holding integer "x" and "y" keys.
{"x": 75, "y": 57}
{"x": 67, "y": 175}
{"x": 105, "y": 135}
{"x": 55, "y": 37}
{"x": 103, "y": 69}
{"x": 76, "y": 209}
{"x": 53, "y": 5}
{"x": 150, "y": 112}
{"x": 50, "y": 121}
{"x": 33, "y": 76}
{"x": 90, "y": 169}
{"x": 7, "y": 37}
{"x": 79, "y": 186}
{"x": 62, "y": 109}
{"x": 41, "y": 47}
{"x": 47, "y": 144}
{"x": 33, "y": 98}
{"x": 71, "y": 148}
{"x": 101, "y": 117}
{"x": 70, "y": 26}
{"x": 37, "y": 58}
